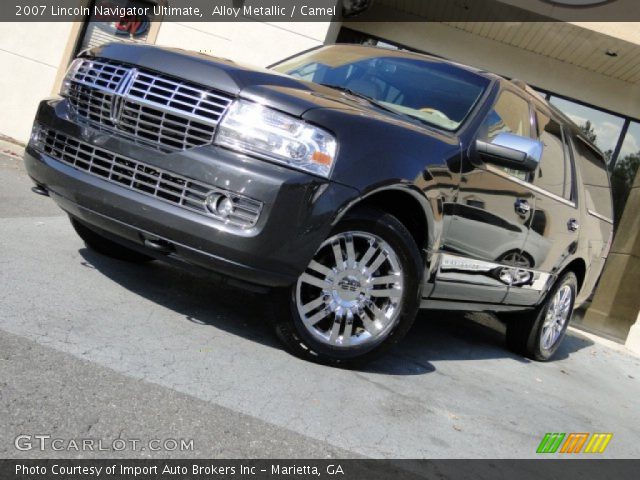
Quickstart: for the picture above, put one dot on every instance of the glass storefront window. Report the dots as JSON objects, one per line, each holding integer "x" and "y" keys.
{"x": 602, "y": 128}
{"x": 625, "y": 169}
{"x": 127, "y": 29}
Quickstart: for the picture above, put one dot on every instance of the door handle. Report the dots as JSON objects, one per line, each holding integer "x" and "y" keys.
{"x": 573, "y": 225}
{"x": 522, "y": 207}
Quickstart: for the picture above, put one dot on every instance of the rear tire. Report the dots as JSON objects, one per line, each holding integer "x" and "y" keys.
{"x": 359, "y": 295}
{"x": 107, "y": 247}
{"x": 538, "y": 334}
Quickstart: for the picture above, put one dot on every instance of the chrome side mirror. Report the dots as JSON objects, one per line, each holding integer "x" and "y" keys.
{"x": 511, "y": 151}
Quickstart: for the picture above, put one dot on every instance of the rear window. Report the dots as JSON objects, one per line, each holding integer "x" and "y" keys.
{"x": 596, "y": 181}
{"x": 555, "y": 174}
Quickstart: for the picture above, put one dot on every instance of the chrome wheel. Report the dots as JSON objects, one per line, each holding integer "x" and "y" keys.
{"x": 351, "y": 292}
{"x": 558, "y": 314}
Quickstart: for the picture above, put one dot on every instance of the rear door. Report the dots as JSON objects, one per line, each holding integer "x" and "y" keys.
{"x": 488, "y": 224}
{"x": 597, "y": 211}
{"x": 554, "y": 223}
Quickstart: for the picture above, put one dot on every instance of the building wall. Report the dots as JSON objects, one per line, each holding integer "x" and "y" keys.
{"x": 538, "y": 70}
{"x": 33, "y": 53}
{"x": 30, "y": 55}
{"x": 616, "y": 303}
{"x": 249, "y": 42}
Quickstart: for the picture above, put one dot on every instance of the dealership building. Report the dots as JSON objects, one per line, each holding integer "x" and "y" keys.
{"x": 589, "y": 70}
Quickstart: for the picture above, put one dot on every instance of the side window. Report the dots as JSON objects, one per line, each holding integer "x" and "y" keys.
{"x": 510, "y": 114}
{"x": 554, "y": 174}
{"x": 593, "y": 170}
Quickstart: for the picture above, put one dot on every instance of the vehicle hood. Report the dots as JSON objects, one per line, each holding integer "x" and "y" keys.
{"x": 399, "y": 148}
{"x": 279, "y": 91}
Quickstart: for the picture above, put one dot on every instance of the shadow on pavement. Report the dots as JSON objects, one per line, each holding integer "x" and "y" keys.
{"x": 449, "y": 335}
{"x": 436, "y": 335}
{"x": 196, "y": 298}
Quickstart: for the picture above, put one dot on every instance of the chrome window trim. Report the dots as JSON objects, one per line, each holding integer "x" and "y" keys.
{"x": 569, "y": 159}
{"x": 531, "y": 186}
{"x": 593, "y": 213}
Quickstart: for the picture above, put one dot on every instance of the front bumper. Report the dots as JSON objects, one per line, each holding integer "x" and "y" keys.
{"x": 297, "y": 213}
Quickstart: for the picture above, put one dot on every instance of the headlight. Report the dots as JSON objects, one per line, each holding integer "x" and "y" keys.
{"x": 251, "y": 128}
{"x": 70, "y": 75}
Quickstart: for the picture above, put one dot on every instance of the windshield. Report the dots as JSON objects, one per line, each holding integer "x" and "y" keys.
{"x": 429, "y": 90}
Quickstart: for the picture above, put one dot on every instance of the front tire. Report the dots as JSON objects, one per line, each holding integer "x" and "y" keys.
{"x": 359, "y": 295}
{"x": 539, "y": 333}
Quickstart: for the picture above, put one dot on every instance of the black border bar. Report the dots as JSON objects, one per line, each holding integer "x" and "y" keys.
{"x": 335, "y": 10}
{"x": 118, "y": 469}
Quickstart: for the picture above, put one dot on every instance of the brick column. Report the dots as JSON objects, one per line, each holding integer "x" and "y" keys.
{"x": 617, "y": 300}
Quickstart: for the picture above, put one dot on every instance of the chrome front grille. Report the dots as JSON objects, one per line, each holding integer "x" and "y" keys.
{"x": 105, "y": 74}
{"x": 143, "y": 178}
{"x": 154, "y": 108}
{"x": 175, "y": 131}
{"x": 92, "y": 104}
{"x": 203, "y": 104}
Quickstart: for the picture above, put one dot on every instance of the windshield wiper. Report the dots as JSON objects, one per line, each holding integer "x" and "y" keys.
{"x": 374, "y": 102}
{"x": 369, "y": 99}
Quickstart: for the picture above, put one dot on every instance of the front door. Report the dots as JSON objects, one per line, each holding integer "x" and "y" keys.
{"x": 553, "y": 233}
{"x": 487, "y": 227}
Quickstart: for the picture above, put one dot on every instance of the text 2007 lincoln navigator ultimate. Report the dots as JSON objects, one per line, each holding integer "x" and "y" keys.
{"x": 354, "y": 184}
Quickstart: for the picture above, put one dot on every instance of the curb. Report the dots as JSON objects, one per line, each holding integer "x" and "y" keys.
{"x": 11, "y": 148}
{"x": 603, "y": 341}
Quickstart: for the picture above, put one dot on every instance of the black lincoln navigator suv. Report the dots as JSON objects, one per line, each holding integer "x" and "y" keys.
{"x": 355, "y": 184}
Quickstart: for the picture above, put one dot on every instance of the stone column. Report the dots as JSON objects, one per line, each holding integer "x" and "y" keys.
{"x": 617, "y": 299}
{"x": 633, "y": 340}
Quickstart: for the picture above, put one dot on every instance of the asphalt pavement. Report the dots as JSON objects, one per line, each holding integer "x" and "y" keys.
{"x": 95, "y": 348}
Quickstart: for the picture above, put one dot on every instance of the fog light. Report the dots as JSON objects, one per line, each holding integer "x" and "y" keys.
{"x": 220, "y": 204}
{"x": 225, "y": 206}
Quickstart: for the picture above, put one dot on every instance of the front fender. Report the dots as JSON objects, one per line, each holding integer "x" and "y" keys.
{"x": 409, "y": 190}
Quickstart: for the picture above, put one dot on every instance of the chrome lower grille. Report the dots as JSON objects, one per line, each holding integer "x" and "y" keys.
{"x": 154, "y": 108}
{"x": 144, "y": 178}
